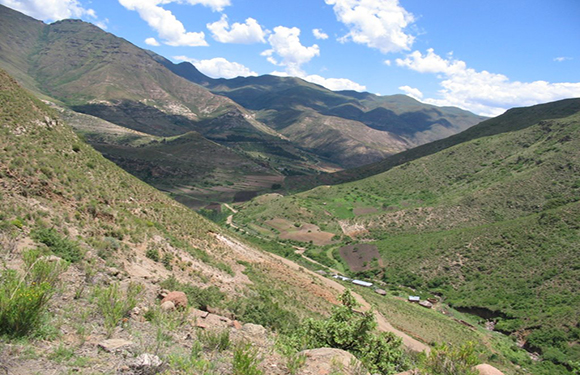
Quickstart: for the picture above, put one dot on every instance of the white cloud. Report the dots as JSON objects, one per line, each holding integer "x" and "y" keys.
{"x": 562, "y": 58}
{"x": 334, "y": 84}
{"x": 50, "y": 10}
{"x": 483, "y": 92}
{"x": 412, "y": 92}
{"x": 285, "y": 43}
{"x": 387, "y": 62}
{"x": 152, "y": 42}
{"x": 319, "y": 34}
{"x": 169, "y": 28}
{"x": 288, "y": 52}
{"x": 242, "y": 33}
{"x": 219, "y": 67}
{"x": 377, "y": 24}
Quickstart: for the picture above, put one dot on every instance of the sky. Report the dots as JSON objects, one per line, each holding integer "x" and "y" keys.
{"x": 485, "y": 56}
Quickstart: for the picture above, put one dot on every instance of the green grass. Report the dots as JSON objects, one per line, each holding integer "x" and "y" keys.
{"x": 490, "y": 223}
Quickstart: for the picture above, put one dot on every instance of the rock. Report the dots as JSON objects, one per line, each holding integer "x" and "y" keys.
{"x": 485, "y": 369}
{"x": 382, "y": 292}
{"x": 179, "y": 299}
{"x": 146, "y": 364}
{"x": 237, "y": 325}
{"x": 114, "y": 345}
{"x": 168, "y": 306}
{"x": 254, "y": 330}
{"x": 325, "y": 361}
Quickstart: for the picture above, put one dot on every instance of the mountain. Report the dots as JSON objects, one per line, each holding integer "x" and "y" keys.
{"x": 488, "y": 219}
{"x": 280, "y": 126}
{"x": 348, "y": 127}
{"x": 513, "y": 120}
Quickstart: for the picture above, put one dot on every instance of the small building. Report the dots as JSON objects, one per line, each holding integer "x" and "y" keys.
{"x": 340, "y": 277}
{"x": 426, "y": 304}
{"x": 362, "y": 283}
{"x": 382, "y": 292}
{"x": 414, "y": 298}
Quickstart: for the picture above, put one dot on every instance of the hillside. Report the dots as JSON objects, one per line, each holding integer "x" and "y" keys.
{"x": 60, "y": 197}
{"x": 513, "y": 120}
{"x": 489, "y": 223}
{"x": 349, "y": 128}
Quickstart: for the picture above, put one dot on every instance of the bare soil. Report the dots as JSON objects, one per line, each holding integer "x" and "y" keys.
{"x": 360, "y": 256}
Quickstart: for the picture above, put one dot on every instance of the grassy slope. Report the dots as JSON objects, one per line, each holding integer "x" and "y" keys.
{"x": 50, "y": 178}
{"x": 490, "y": 223}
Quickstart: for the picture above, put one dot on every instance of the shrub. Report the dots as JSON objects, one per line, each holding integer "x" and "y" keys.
{"x": 448, "y": 360}
{"x": 58, "y": 244}
{"x": 344, "y": 329}
{"x": 152, "y": 254}
{"x": 23, "y": 298}
{"x": 214, "y": 340}
{"x": 246, "y": 360}
{"x": 114, "y": 306}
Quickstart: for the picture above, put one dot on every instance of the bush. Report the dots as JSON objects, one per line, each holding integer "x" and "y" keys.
{"x": 347, "y": 330}
{"x": 448, "y": 360}
{"x": 114, "y": 306}
{"x": 245, "y": 360}
{"x": 23, "y": 298}
{"x": 58, "y": 244}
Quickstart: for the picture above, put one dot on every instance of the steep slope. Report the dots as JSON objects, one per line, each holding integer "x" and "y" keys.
{"x": 59, "y": 196}
{"x": 491, "y": 224}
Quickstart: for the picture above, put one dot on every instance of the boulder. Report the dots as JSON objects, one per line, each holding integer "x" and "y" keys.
{"x": 485, "y": 369}
{"x": 179, "y": 299}
{"x": 168, "y": 306}
{"x": 146, "y": 364}
{"x": 254, "y": 330}
{"x": 325, "y": 361}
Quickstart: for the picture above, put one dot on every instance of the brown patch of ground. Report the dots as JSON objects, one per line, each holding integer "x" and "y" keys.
{"x": 364, "y": 211}
{"x": 303, "y": 233}
{"x": 360, "y": 256}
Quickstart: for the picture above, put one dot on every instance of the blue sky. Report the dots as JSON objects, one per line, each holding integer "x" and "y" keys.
{"x": 484, "y": 56}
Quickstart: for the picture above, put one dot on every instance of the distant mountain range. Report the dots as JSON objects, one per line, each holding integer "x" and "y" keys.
{"x": 280, "y": 125}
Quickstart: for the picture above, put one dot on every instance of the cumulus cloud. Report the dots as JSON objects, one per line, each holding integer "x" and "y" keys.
{"x": 169, "y": 28}
{"x": 287, "y": 51}
{"x": 378, "y": 24}
{"x": 319, "y": 34}
{"x": 241, "y": 33}
{"x": 562, "y": 58}
{"x": 412, "y": 92}
{"x": 482, "y": 92}
{"x": 219, "y": 67}
{"x": 152, "y": 42}
{"x": 50, "y": 10}
{"x": 334, "y": 84}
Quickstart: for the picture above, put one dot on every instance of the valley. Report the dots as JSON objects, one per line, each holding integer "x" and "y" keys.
{"x": 155, "y": 220}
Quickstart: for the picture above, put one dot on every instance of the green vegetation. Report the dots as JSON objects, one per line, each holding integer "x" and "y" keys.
{"x": 58, "y": 244}
{"x": 246, "y": 360}
{"x": 347, "y": 330}
{"x": 114, "y": 305}
{"x": 24, "y": 298}
{"x": 490, "y": 224}
{"x": 445, "y": 360}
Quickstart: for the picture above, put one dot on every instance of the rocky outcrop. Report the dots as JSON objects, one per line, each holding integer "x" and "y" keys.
{"x": 179, "y": 299}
